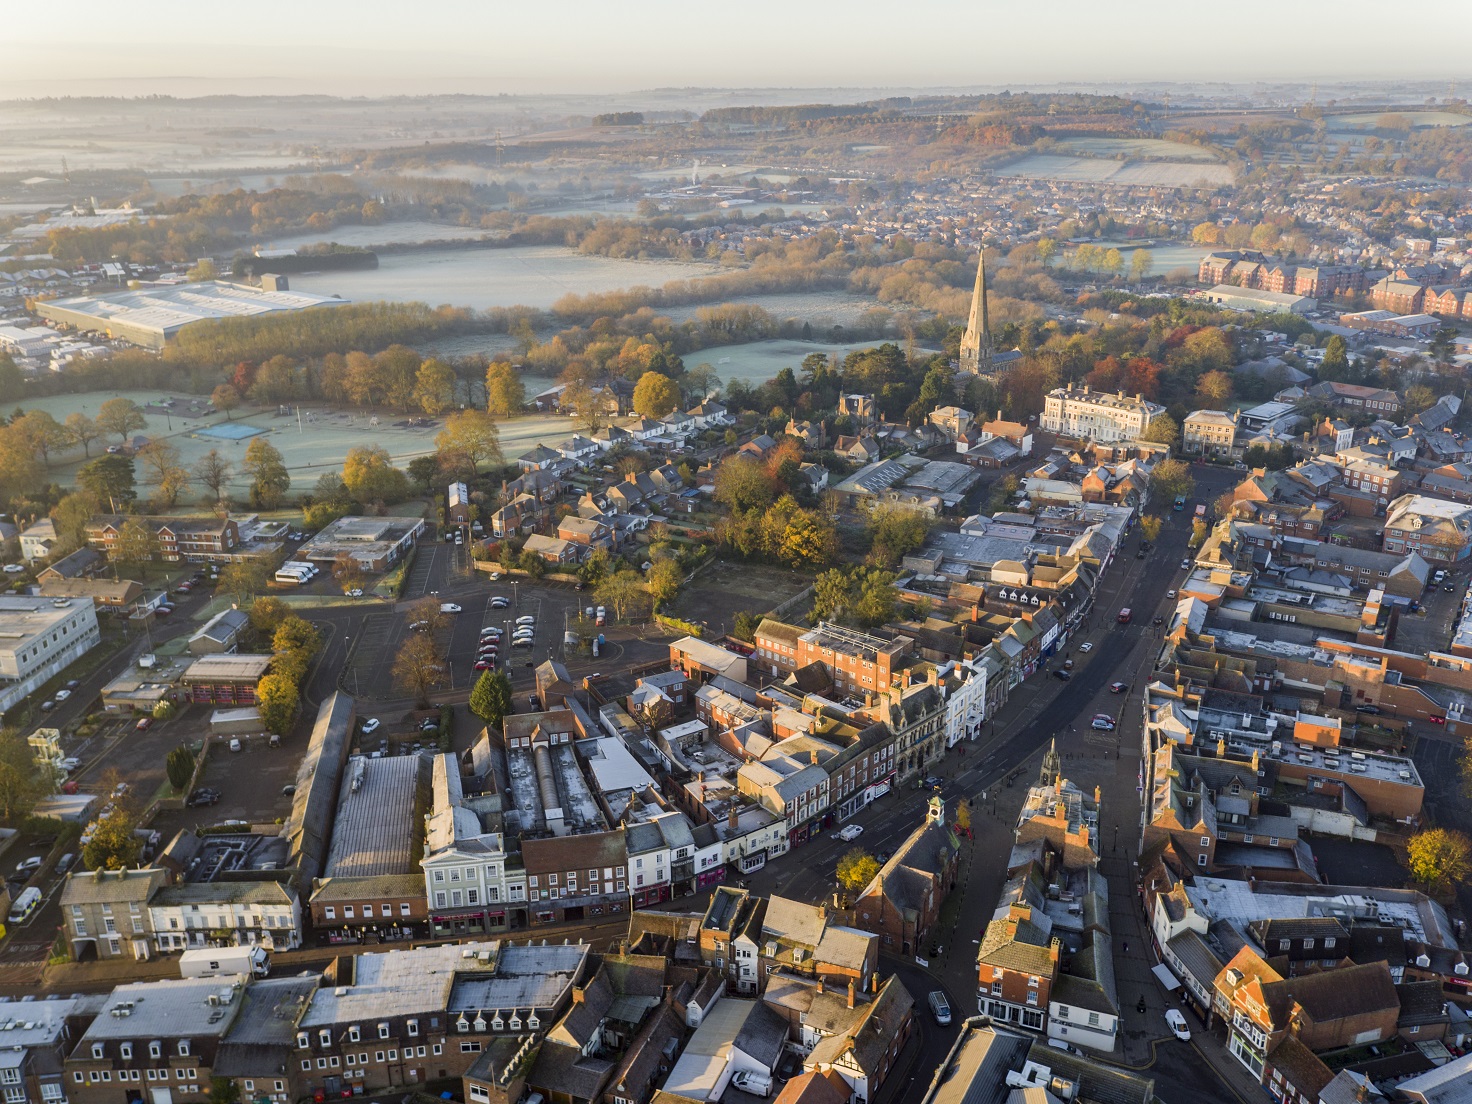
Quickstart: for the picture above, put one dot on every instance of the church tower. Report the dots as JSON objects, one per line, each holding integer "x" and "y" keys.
{"x": 976, "y": 346}
{"x": 1052, "y": 767}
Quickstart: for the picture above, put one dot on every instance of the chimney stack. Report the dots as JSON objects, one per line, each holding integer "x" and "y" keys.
{"x": 731, "y": 816}
{"x": 813, "y": 755}
{"x": 820, "y": 983}
{"x": 850, "y": 993}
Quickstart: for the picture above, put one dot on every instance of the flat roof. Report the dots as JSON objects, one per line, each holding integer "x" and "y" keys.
{"x": 708, "y": 1052}
{"x": 171, "y": 1008}
{"x": 165, "y": 310}
{"x": 231, "y": 665}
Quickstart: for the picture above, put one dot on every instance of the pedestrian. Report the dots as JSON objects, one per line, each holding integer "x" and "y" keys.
{"x": 1126, "y": 946}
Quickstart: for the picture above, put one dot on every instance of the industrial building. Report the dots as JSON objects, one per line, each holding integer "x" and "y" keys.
{"x": 1252, "y": 299}
{"x": 153, "y": 316}
{"x": 40, "y": 638}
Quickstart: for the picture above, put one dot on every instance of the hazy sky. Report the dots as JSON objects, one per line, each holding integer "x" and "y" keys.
{"x": 376, "y": 46}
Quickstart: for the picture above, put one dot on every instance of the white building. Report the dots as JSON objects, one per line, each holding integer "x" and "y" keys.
{"x": 964, "y": 687}
{"x": 37, "y": 541}
{"x": 466, "y": 883}
{"x": 205, "y": 914}
{"x": 1098, "y": 415}
{"x": 40, "y": 638}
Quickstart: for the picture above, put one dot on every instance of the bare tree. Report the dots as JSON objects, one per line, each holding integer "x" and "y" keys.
{"x": 214, "y": 471}
{"x": 418, "y": 667}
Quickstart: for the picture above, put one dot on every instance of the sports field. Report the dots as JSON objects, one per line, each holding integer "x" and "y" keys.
{"x": 310, "y": 446}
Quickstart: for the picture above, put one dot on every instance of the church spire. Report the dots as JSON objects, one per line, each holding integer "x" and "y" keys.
{"x": 976, "y": 345}
{"x": 1052, "y": 766}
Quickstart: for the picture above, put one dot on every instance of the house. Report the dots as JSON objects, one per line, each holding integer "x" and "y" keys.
{"x": 588, "y": 532}
{"x": 105, "y": 912}
{"x": 711, "y": 415}
{"x": 118, "y": 594}
{"x": 1440, "y": 531}
{"x": 553, "y": 550}
{"x": 38, "y": 540}
{"x": 578, "y": 448}
{"x": 1209, "y": 432}
{"x": 863, "y": 449}
{"x": 951, "y": 421}
{"x": 174, "y": 538}
{"x": 193, "y": 914}
{"x": 457, "y": 504}
{"x": 221, "y": 633}
{"x": 1017, "y": 966}
{"x": 1017, "y": 434}
{"x": 1097, "y": 415}
{"x": 77, "y": 565}
{"x": 758, "y": 448}
{"x": 538, "y": 459}
{"x": 861, "y": 408}
{"x": 811, "y": 434}
{"x": 863, "y": 1051}
{"x": 902, "y": 903}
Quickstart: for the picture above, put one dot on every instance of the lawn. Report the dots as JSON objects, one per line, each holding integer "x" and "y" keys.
{"x": 727, "y": 587}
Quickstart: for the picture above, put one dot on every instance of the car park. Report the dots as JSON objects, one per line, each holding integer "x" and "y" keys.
{"x": 371, "y": 725}
{"x": 1176, "y": 1021}
{"x": 850, "y": 832}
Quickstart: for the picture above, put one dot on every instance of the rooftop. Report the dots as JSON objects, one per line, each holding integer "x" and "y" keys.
{"x": 373, "y": 831}
{"x": 179, "y": 1008}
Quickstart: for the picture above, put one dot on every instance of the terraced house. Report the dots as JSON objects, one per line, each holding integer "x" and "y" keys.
{"x": 176, "y": 538}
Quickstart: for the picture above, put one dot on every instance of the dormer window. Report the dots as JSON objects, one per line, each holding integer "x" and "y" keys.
{"x": 183, "y": 1048}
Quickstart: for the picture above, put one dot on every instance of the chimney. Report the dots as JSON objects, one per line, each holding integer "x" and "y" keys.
{"x": 850, "y": 992}
{"x": 813, "y": 755}
{"x": 1053, "y": 951}
{"x": 820, "y": 983}
{"x": 578, "y": 995}
{"x": 1098, "y": 796}
{"x": 731, "y": 817}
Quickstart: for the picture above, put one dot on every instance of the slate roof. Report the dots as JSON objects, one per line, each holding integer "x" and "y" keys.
{"x": 1301, "y": 1067}
{"x": 266, "y": 1027}
{"x": 1025, "y": 949}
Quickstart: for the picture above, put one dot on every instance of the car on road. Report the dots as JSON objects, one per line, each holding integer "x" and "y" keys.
{"x": 70, "y": 763}
{"x": 526, "y": 620}
{"x": 28, "y": 866}
{"x": 934, "y": 782}
{"x": 371, "y": 725}
{"x": 850, "y": 832}
{"x": 1170, "y": 594}
{"x": 1086, "y": 646}
{"x": 1067, "y": 1048}
{"x": 1117, "y": 688}
{"x": 144, "y": 724}
{"x": 1062, "y": 676}
{"x": 1157, "y": 620}
{"x": 1372, "y": 710}
{"x": 48, "y": 705}
{"x": 14, "y": 569}
{"x": 1140, "y": 555}
{"x": 940, "y": 1008}
{"x": 449, "y": 607}
{"x": 1185, "y": 565}
{"x": 1103, "y": 722}
{"x": 1176, "y": 1021}
{"x": 62, "y": 695}
{"x": 72, "y": 684}
{"x": 495, "y": 575}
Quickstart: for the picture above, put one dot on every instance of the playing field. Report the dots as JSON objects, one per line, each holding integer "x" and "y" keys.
{"x": 1094, "y": 170}
{"x": 310, "y": 446}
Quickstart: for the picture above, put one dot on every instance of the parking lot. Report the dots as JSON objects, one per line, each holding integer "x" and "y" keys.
{"x": 249, "y": 782}
{"x": 1430, "y": 628}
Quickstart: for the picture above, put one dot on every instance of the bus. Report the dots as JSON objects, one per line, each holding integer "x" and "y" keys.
{"x": 307, "y": 569}
{"x": 1180, "y": 502}
{"x": 291, "y": 576}
{"x": 25, "y": 906}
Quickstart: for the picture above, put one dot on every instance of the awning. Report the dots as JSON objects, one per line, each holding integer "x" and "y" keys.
{"x": 1165, "y": 977}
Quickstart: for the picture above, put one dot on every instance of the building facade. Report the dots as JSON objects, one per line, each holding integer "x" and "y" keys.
{"x": 1097, "y": 415}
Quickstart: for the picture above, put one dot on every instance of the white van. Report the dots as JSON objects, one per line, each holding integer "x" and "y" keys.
{"x": 756, "y": 1082}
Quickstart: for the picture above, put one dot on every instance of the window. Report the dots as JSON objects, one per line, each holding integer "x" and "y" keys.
{"x": 1273, "y": 841}
{"x": 1284, "y": 944}
{"x": 329, "y": 912}
{"x": 1308, "y": 944}
{"x": 156, "y": 1050}
{"x": 303, "y": 1040}
{"x": 404, "y": 908}
{"x": 385, "y": 910}
{"x": 1200, "y": 860}
{"x": 96, "y": 1050}
{"x": 1205, "y": 841}
{"x": 184, "y": 1048}
{"x": 378, "y": 1056}
{"x": 437, "y": 1049}
{"x": 1328, "y": 942}
{"x": 306, "y": 1063}
{"x": 354, "y": 1034}
{"x": 347, "y": 912}
{"x": 469, "y": 1046}
{"x": 125, "y": 1052}
{"x": 383, "y": 1031}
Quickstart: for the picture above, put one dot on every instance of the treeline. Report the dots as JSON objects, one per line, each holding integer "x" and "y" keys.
{"x": 762, "y": 115}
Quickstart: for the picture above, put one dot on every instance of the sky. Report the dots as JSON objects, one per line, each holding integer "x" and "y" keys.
{"x": 368, "y": 47}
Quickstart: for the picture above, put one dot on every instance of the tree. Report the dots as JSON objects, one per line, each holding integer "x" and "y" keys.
{"x": 225, "y": 399}
{"x": 434, "y": 387}
{"x": 83, "y": 430}
{"x": 110, "y": 479}
{"x": 43, "y": 433}
{"x": 1171, "y": 479}
{"x": 225, "y": 1090}
{"x": 856, "y": 869}
{"x": 1418, "y": 397}
{"x": 808, "y": 540}
{"x": 348, "y": 572}
{"x": 1439, "y": 857}
{"x": 875, "y": 598}
{"x": 832, "y": 594}
{"x": 265, "y": 614}
{"x": 136, "y": 543}
{"x": 418, "y": 667}
{"x": 746, "y": 625}
{"x": 472, "y": 432}
{"x": 620, "y": 591}
{"x": 164, "y": 710}
{"x": 424, "y": 472}
{"x": 1335, "y": 364}
{"x": 963, "y": 815}
{"x": 213, "y": 470}
{"x": 296, "y": 634}
{"x": 664, "y": 581}
{"x": 20, "y": 471}
{"x": 179, "y": 765}
{"x": 243, "y": 579}
{"x": 160, "y": 460}
{"x": 370, "y": 476}
{"x": 70, "y": 517}
{"x": 490, "y": 697}
{"x": 655, "y": 395}
{"x": 279, "y": 702}
{"x": 741, "y": 484}
{"x": 1162, "y": 430}
{"x": 269, "y": 480}
{"x": 505, "y": 391}
{"x": 1214, "y": 390}
{"x": 895, "y": 532}
{"x": 202, "y": 270}
{"x": 113, "y": 845}
{"x": 1199, "y": 531}
{"x": 20, "y": 785}
{"x": 121, "y": 416}
{"x": 1141, "y": 261}
{"x": 1150, "y": 526}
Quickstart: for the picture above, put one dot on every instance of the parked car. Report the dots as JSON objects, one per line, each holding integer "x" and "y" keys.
{"x": 850, "y": 832}
{"x": 1176, "y": 1021}
{"x": 62, "y": 695}
{"x": 1086, "y": 646}
{"x": 940, "y": 1008}
{"x": 371, "y": 725}
{"x": 72, "y": 684}
{"x": 48, "y": 705}
{"x": 500, "y": 603}
{"x": 449, "y": 607}
{"x": 484, "y": 664}
{"x": 526, "y": 620}
{"x": 1062, "y": 676}
{"x": 1185, "y": 565}
{"x": 144, "y": 724}
{"x": 1103, "y": 722}
{"x": 205, "y": 795}
{"x": 1170, "y": 594}
{"x": 418, "y": 626}
{"x": 28, "y": 866}
{"x": 14, "y": 569}
{"x": 70, "y": 763}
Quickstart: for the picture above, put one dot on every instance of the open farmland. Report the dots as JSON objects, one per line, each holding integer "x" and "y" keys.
{"x": 1138, "y": 147}
{"x": 1094, "y": 170}
{"x": 1370, "y": 120}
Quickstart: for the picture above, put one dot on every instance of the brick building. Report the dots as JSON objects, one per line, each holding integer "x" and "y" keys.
{"x": 176, "y": 538}
{"x": 902, "y": 903}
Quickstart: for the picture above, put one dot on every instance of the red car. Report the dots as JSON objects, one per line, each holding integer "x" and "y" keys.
{"x": 144, "y": 724}
{"x": 484, "y": 664}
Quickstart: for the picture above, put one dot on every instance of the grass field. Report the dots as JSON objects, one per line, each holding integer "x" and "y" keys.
{"x": 1093, "y": 170}
{"x": 1137, "y": 147}
{"x": 316, "y": 446}
{"x": 726, "y": 588}
{"x": 1417, "y": 119}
